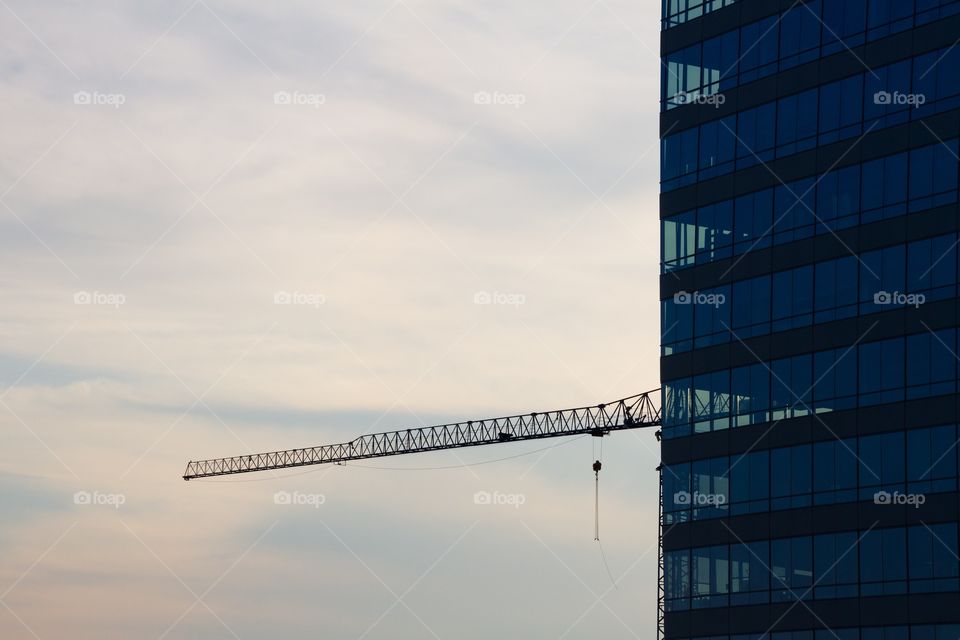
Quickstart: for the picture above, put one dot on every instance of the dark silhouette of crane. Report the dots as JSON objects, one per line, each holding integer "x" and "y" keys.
{"x": 634, "y": 412}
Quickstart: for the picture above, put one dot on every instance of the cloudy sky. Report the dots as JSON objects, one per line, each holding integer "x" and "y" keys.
{"x": 171, "y": 171}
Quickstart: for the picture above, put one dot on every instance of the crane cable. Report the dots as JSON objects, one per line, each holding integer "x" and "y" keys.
{"x": 596, "y": 500}
{"x": 597, "y": 465}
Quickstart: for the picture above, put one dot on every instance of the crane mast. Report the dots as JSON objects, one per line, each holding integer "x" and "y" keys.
{"x": 634, "y": 412}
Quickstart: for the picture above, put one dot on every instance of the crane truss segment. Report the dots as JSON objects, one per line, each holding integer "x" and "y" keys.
{"x": 637, "y": 411}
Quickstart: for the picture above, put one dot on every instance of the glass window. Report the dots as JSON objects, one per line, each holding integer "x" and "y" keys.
{"x": 835, "y": 565}
{"x": 931, "y": 363}
{"x": 844, "y": 24}
{"x": 755, "y": 135}
{"x": 710, "y": 577}
{"x": 750, "y": 482}
{"x": 720, "y": 60}
{"x": 677, "y": 12}
{"x": 882, "y": 106}
{"x": 753, "y": 221}
{"x": 760, "y": 58}
{"x": 711, "y": 401}
{"x": 749, "y": 576}
{"x": 790, "y": 479}
{"x": 838, "y": 199}
{"x": 881, "y": 465}
{"x": 751, "y": 307}
{"x": 678, "y": 240}
{"x": 884, "y": 633}
{"x": 677, "y": 326}
{"x": 881, "y": 371}
{"x": 841, "y": 109}
{"x": 682, "y": 74}
{"x": 932, "y": 459}
{"x": 716, "y": 147}
{"x": 678, "y": 159}
{"x": 800, "y": 34}
{"x": 933, "y": 176}
{"x": 835, "y": 376}
{"x": 792, "y": 298}
{"x": 750, "y": 391}
{"x": 676, "y": 580}
{"x": 835, "y": 471}
{"x": 884, "y": 188}
{"x": 676, "y": 492}
{"x": 676, "y": 408}
{"x": 835, "y": 291}
{"x": 793, "y": 205}
{"x": 715, "y": 231}
{"x": 711, "y": 488}
{"x": 934, "y": 78}
{"x": 791, "y": 387}
{"x": 932, "y": 268}
{"x": 883, "y": 563}
{"x": 928, "y": 10}
{"x": 711, "y": 316}
{"x": 933, "y": 558}
{"x": 886, "y": 17}
{"x": 882, "y": 278}
{"x": 791, "y": 562}
{"x": 797, "y": 123}
{"x": 838, "y": 634}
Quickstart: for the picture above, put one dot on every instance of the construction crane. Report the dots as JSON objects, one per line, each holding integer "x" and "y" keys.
{"x": 634, "y": 412}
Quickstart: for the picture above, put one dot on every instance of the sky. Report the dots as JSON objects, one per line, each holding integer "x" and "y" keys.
{"x": 246, "y": 226}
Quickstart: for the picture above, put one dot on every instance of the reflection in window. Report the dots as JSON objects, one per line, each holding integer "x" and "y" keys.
{"x": 791, "y": 561}
{"x": 709, "y": 577}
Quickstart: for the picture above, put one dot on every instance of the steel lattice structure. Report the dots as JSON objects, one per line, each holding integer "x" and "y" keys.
{"x": 633, "y": 412}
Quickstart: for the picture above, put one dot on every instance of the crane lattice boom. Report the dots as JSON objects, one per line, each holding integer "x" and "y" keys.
{"x": 627, "y": 413}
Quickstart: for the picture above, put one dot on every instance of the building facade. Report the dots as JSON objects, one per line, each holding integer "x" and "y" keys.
{"x": 810, "y": 309}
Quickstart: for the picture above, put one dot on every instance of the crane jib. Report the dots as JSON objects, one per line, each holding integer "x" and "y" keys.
{"x": 634, "y": 412}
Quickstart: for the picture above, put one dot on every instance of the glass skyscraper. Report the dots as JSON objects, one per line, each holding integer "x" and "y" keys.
{"x": 809, "y": 307}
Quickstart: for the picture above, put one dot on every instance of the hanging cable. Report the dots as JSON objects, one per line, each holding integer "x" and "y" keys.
{"x": 597, "y": 465}
{"x": 606, "y": 566}
{"x": 596, "y": 500}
